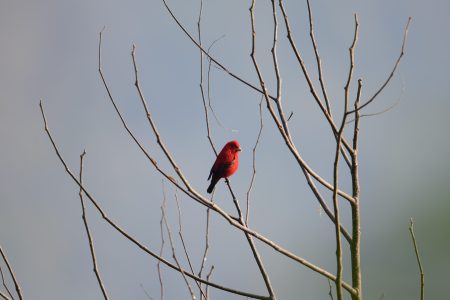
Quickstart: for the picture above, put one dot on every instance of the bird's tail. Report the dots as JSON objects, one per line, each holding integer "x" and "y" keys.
{"x": 212, "y": 185}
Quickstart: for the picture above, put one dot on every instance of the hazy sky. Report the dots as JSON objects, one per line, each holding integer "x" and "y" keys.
{"x": 49, "y": 51}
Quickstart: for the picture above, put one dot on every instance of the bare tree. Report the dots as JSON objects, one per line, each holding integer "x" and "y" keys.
{"x": 344, "y": 132}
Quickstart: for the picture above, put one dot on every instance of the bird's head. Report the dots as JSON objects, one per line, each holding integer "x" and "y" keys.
{"x": 233, "y": 146}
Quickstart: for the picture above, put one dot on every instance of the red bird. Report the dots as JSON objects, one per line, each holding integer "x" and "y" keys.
{"x": 227, "y": 162}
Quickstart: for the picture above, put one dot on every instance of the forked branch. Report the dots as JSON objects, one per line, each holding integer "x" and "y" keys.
{"x": 397, "y": 62}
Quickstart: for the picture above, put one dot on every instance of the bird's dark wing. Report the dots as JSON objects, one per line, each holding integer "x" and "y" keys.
{"x": 220, "y": 170}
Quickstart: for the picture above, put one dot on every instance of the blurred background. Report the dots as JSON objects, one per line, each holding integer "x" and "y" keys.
{"x": 49, "y": 51}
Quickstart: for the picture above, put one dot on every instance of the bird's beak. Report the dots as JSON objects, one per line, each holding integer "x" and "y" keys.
{"x": 238, "y": 149}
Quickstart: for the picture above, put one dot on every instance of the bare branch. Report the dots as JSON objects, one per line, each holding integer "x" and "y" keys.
{"x": 207, "y": 54}
{"x": 318, "y": 60}
{"x": 308, "y": 78}
{"x": 306, "y": 170}
{"x": 252, "y": 245}
{"x": 88, "y": 233}
{"x": 339, "y": 263}
{"x": 416, "y": 250}
{"x": 319, "y": 71}
{"x": 119, "y": 114}
{"x": 402, "y": 52}
{"x": 355, "y": 246}
{"x": 304, "y": 166}
{"x": 16, "y": 284}
{"x": 156, "y": 132}
{"x": 277, "y": 71}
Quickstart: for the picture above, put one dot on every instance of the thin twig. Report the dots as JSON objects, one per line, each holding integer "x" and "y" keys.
{"x": 88, "y": 233}
{"x": 205, "y": 252}
{"x": 402, "y": 52}
{"x": 318, "y": 60}
{"x": 392, "y": 106}
{"x": 207, "y": 278}
{"x": 16, "y": 284}
{"x": 145, "y": 292}
{"x": 261, "y": 125}
{"x": 330, "y": 291}
{"x": 172, "y": 244}
{"x": 416, "y": 250}
{"x": 210, "y": 64}
{"x": 5, "y": 285}
{"x": 161, "y": 249}
{"x": 180, "y": 234}
{"x": 202, "y": 91}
